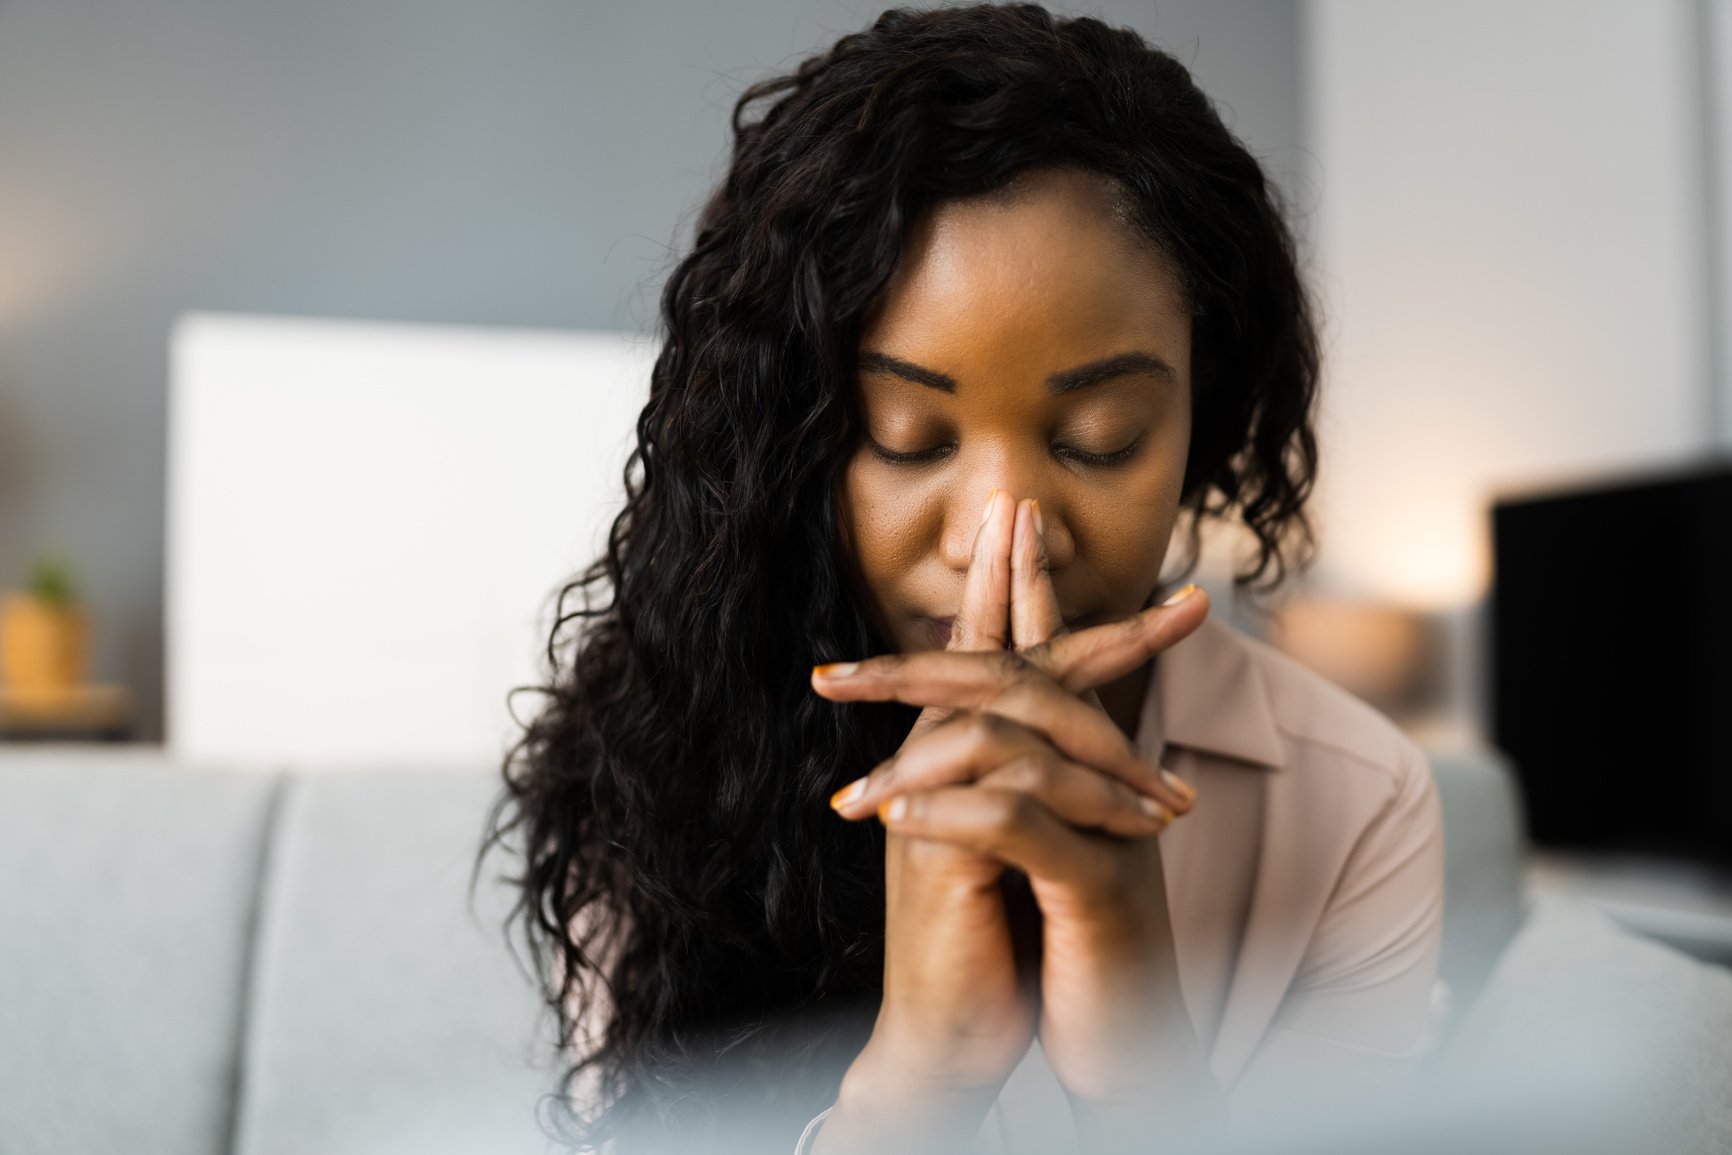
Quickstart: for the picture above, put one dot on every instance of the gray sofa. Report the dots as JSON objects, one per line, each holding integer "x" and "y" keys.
{"x": 195, "y": 961}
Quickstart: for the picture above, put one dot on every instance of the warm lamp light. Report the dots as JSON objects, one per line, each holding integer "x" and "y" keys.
{"x": 1374, "y": 650}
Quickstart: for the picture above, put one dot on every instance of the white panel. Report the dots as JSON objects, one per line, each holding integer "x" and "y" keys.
{"x": 368, "y": 524}
{"x": 1717, "y": 165}
{"x": 1510, "y": 253}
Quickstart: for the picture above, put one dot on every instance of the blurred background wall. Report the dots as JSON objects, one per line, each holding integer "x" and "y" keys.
{"x": 1514, "y": 243}
{"x": 1514, "y": 216}
{"x": 1511, "y": 244}
{"x": 503, "y": 163}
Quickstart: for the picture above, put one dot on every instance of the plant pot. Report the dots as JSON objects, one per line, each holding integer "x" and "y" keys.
{"x": 44, "y": 646}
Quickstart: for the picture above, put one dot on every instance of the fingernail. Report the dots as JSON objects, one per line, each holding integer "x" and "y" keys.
{"x": 987, "y": 512}
{"x": 1190, "y": 588}
{"x": 848, "y": 794}
{"x": 1154, "y": 809}
{"x": 1039, "y": 521}
{"x": 835, "y": 669}
{"x": 891, "y": 809}
{"x": 1179, "y": 785}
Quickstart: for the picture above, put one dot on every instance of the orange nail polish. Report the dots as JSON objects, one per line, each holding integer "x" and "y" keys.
{"x": 835, "y": 669}
{"x": 848, "y": 793}
{"x": 1190, "y": 588}
{"x": 1039, "y": 521}
{"x": 1155, "y": 810}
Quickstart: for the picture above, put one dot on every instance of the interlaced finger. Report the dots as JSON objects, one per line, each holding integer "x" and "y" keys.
{"x": 1084, "y": 659}
{"x": 1007, "y": 685}
{"x": 1079, "y": 795}
{"x": 973, "y": 748}
{"x": 1011, "y": 826}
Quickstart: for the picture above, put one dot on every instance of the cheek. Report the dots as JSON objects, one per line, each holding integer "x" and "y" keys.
{"x": 883, "y": 526}
{"x": 1128, "y": 535}
{"x": 1127, "y": 544}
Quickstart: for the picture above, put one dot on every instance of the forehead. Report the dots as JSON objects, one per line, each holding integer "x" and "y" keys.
{"x": 1046, "y": 271}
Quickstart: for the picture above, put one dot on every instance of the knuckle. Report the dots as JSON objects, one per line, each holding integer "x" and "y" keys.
{"x": 1112, "y": 794}
{"x": 1019, "y": 811}
{"x": 1020, "y": 773}
{"x": 1131, "y": 623}
{"x": 953, "y": 721}
{"x": 1009, "y": 812}
{"x": 1012, "y": 774}
{"x": 1045, "y": 773}
{"x": 1026, "y": 773}
{"x": 890, "y": 663}
{"x": 1010, "y": 665}
{"x": 1125, "y": 630}
{"x": 976, "y": 735}
{"x": 1039, "y": 655}
{"x": 984, "y": 729}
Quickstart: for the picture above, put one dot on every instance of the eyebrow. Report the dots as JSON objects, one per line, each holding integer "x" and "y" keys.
{"x": 1057, "y": 384}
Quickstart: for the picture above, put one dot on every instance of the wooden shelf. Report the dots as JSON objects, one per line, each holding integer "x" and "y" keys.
{"x": 95, "y": 709}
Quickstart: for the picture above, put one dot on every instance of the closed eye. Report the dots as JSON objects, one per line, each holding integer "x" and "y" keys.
{"x": 1102, "y": 460}
{"x": 938, "y": 452}
{"x": 922, "y": 457}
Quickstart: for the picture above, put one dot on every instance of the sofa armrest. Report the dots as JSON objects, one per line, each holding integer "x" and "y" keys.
{"x": 1484, "y": 845}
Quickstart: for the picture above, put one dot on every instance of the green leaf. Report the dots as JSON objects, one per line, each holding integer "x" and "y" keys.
{"x": 51, "y": 581}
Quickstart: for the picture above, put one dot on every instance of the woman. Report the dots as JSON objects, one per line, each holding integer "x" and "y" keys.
{"x": 987, "y": 306}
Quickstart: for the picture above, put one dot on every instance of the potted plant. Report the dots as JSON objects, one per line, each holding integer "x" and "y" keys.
{"x": 44, "y": 633}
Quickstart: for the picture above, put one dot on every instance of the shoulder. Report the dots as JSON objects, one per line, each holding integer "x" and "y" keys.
{"x": 1352, "y": 799}
{"x": 1325, "y": 731}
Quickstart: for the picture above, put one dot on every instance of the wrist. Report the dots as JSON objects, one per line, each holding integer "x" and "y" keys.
{"x": 1167, "y": 1091}
{"x": 884, "y": 1104}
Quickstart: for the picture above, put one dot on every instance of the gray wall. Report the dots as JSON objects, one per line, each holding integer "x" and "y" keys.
{"x": 497, "y": 162}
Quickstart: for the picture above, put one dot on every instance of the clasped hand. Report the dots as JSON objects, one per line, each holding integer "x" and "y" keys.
{"x": 1014, "y": 766}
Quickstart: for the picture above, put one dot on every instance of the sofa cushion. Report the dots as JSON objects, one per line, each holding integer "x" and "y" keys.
{"x": 1620, "y": 1038}
{"x": 387, "y": 1015}
{"x": 127, "y": 889}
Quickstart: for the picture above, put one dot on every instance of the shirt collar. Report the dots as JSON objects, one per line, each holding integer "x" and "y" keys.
{"x": 1209, "y": 693}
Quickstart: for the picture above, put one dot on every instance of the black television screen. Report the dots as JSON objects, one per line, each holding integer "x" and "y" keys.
{"x": 1611, "y": 656}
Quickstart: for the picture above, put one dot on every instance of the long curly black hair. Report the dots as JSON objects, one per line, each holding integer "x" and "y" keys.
{"x": 686, "y": 890}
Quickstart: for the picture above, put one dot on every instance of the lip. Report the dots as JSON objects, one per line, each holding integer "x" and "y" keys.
{"x": 939, "y": 628}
